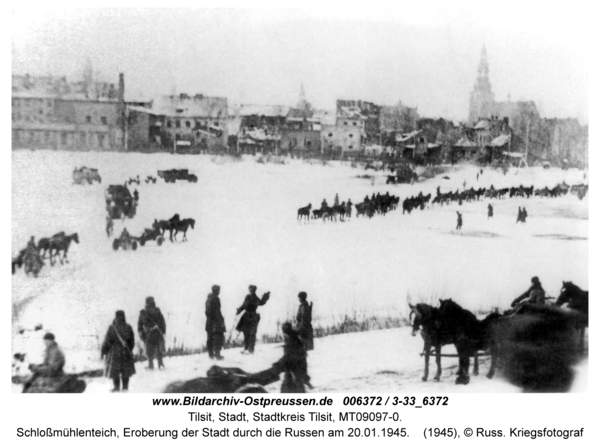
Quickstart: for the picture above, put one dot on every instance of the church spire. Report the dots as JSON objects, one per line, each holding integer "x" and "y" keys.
{"x": 302, "y": 103}
{"x": 482, "y": 101}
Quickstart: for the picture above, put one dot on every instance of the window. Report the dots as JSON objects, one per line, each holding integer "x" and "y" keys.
{"x": 345, "y": 123}
{"x": 168, "y": 123}
{"x": 216, "y": 123}
{"x": 354, "y": 123}
{"x": 188, "y": 124}
{"x": 88, "y": 119}
{"x": 103, "y": 120}
{"x": 350, "y": 147}
{"x": 101, "y": 140}
{"x": 308, "y": 143}
{"x": 63, "y": 138}
{"x": 177, "y": 124}
{"x": 330, "y": 134}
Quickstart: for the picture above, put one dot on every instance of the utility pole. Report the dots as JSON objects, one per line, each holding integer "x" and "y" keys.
{"x": 527, "y": 141}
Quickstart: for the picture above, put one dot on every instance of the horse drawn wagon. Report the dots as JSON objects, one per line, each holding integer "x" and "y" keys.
{"x": 154, "y": 234}
{"x": 85, "y": 174}
{"x": 170, "y": 176}
{"x": 119, "y": 202}
{"x": 125, "y": 241}
{"x": 404, "y": 175}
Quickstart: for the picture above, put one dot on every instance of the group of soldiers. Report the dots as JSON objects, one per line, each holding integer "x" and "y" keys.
{"x": 521, "y": 216}
{"x": 119, "y": 342}
{"x": 298, "y": 340}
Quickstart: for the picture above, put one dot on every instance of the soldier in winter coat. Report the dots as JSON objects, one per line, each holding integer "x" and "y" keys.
{"x": 152, "y": 328}
{"x": 293, "y": 363}
{"x": 117, "y": 347}
{"x": 535, "y": 294}
{"x": 459, "y": 221}
{"x": 490, "y": 211}
{"x": 304, "y": 322}
{"x": 248, "y": 323}
{"x": 215, "y": 324}
{"x": 48, "y": 376}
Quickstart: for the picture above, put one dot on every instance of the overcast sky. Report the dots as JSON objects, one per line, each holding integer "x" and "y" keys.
{"x": 425, "y": 56}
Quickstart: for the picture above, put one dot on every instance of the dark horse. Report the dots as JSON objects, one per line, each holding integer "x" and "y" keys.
{"x": 577, "y": 300}
{"x": 304, "y": 212}
{"x": 167, "y": 225}
{"x": 469, "y": 335}
{"x": 60, "y": 243}
{"x": 182, "y": 226}
{"x": 44, "y": 243}
{"x": 427, "y": 319}
{"x": 538, "y": 347}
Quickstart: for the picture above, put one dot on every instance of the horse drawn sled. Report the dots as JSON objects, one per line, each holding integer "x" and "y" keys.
{"x": 119, "y": 202}
{"x": 85, "y": 174}
{"x": 30, "y": 261}
{"x": 153, "y": 234}
{"x": 170, "y": 176}
{"x": 125, "y": 241}
{"x": 404, "y": 175}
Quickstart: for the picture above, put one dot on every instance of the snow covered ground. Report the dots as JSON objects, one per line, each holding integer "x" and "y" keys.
{"x": 246, "y": 232}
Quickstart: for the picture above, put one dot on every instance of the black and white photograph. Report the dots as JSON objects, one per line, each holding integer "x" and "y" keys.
{"x": 319, "y": 201}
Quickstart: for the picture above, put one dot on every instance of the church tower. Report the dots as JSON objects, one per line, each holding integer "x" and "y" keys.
{"x": 302, "y": 103}
{"x": 481, "y": 104}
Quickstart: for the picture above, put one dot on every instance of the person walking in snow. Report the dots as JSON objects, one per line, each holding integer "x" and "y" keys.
{"x": 519, "y": 215}
{"x": 459, "y": 221}
{"x": 152, "y": 328}
{"x": 524, "y": 215}
{"x": 490, "y": 211}
{"x": 118, "y": 350}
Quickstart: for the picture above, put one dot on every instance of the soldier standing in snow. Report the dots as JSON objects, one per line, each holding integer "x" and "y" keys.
{"x": 248, "y": 323}
{"x": 118, "y": 349}
{"x": 152, "y": 328}
{"x": 519, "y": 215}
{"x": 524, "y": 215}
{"x": 109, "y": 225}
{"x": 304, "y": 322}
{"x": 490, "y": 211}
{"x": 459, "y": 221}
{"x": 215, "y": 324}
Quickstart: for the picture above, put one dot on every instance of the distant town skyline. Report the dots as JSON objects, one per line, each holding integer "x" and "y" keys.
{"x": 427, "y": 61}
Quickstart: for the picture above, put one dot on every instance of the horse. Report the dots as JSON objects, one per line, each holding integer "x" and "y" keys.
{"x": 427, "y": 318}
{"x": 168, "y": 225}
{"x": 577, "y": 300}
{"x": 182, "y": 226}
{"x": 537, "y": 345}
{"x": 469, "y": 335}
{"x": 61, "y": 242}
{"x": 304, "y": 212}
{"x": 43, "y": 246}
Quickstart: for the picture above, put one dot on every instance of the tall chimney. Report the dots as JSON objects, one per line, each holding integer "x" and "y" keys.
{"x": 122, "y": 112}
